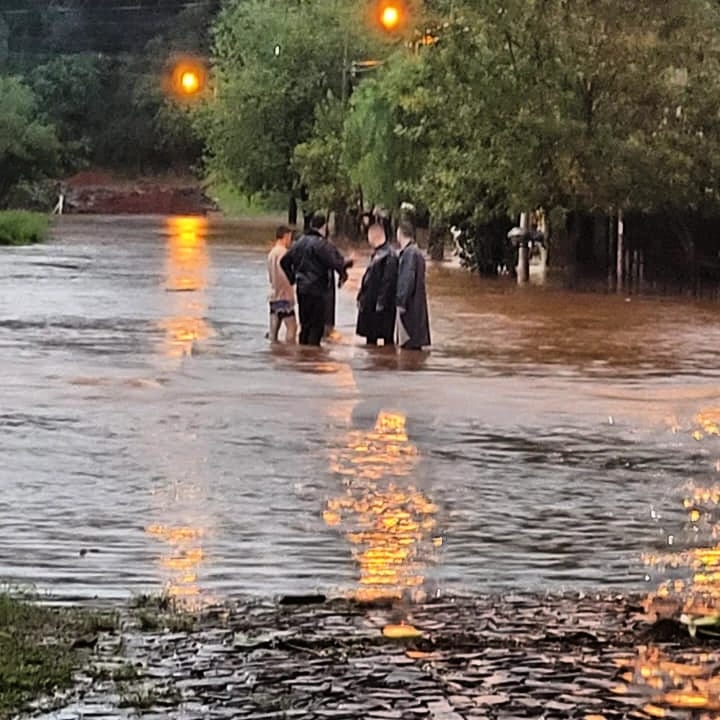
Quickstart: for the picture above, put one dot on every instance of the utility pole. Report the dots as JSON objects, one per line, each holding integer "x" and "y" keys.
{"x": 523, "y": 268}
{"x": 620, "y": 251}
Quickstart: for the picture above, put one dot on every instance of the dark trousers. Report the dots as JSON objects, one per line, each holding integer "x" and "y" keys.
{"x": 312, "y": 318}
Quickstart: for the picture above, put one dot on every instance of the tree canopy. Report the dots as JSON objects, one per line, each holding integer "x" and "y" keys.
{"x": 473, "y": 109}
{"x": 98, "y": 72}
{"x": 278, "y": 68}
{"x": 578, "y": 105}
{"x": 28, "y": 146}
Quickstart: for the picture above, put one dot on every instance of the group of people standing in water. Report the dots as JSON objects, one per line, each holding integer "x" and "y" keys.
{"x": 391, "y": 302}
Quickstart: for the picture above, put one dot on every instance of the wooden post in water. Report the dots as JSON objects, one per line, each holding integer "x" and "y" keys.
{"x": 620, "y": 254}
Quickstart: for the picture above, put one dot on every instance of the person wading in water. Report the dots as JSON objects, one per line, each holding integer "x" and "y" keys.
{"x": 310, "y": 264}
{"x": 412, "y": 311}
{"x": 376, "y": 299}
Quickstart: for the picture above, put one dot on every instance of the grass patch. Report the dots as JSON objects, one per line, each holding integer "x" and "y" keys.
{"x": 22, "y": 227}
{"x": 40, "y": 648}
{"x": 234, "y": 203}
{"x": 161, "y": 613}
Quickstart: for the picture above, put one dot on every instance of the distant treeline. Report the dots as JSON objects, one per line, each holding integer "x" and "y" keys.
{"x": 82, "y": 85}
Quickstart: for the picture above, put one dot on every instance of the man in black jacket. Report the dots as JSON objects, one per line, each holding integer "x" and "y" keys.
{"x": 311, "y": 264}
{"x": 376, "y": 299}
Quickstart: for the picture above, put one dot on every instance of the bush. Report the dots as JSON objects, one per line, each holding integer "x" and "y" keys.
{"x": 20, "y": 227}
{"x": 37, "y": 195}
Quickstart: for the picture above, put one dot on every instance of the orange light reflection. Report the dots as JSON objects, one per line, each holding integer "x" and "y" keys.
{"x": 186, "y": 270}
{"x": 389, "y": 522}
{"x": 183, "y": 562}
{"x": 688, "y": 680}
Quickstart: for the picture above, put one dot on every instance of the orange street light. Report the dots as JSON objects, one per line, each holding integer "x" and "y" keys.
{"x": 392, "y": 15}
{"x": 390, "y": 18}
{"x": 187, "y": 78}
{"x": 190, "y": 82}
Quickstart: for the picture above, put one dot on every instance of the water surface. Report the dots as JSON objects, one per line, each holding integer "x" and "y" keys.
{"x": 150, "y": 437}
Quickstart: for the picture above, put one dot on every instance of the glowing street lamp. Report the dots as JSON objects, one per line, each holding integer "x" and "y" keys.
{"x": 187, "y": 78}
{"x": 392, "y": 15}
{"x": 190, "y": 82}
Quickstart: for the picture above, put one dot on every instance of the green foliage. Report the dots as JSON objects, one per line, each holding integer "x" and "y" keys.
{"x": 98, "y": 72}
{"x": 36, "y": 651}
{"x": 28, "y": 146}
{"x": 582, "y": 107}
{"x": 234, "y": 203}
{"x": 4, "y": 42}
{"x": 587, "y": 108}
{"x": 38, "y": 195}
{"x": 20, "y": 227}
{"x": 320, "y": 161}
{"x": 70, "y": 88}
{"x": 39, "y": 29}
{"x": 275, "y": 64}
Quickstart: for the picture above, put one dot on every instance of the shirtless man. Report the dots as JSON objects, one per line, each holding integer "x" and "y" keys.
{"x": 282, "y": 295}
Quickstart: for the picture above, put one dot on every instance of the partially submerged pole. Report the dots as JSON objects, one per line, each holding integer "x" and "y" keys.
{"x": 523, "y": 268}
{"x": 620, "y": 258}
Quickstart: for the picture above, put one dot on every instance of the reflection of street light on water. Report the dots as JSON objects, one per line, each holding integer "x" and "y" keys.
{"x": 676, "y": 678}
{"x": 181, "y": 561}
{"x": 186, "y": 270}
{"x": 389, "y": 522}
{"x": 180, "y": 495}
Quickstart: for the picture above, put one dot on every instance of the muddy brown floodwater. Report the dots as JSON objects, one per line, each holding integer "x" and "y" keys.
{"x": 150, "y": 438}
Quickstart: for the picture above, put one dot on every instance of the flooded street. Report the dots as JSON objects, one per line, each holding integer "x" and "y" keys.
{"x": 150, "y": 437}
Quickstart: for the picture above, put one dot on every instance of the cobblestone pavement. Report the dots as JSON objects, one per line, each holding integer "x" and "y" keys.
{"x": 498, "y": 658}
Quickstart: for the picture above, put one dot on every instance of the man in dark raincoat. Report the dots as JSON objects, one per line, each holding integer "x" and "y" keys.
{"x": 376, "y": 298}
{"x": 311, "y": 264}
{"x": 411, "y": 298}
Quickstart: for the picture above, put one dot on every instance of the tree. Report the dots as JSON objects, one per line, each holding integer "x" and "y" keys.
{"x": 573, "y": 107}
{"x": 275, "y": 63}
{"x": 72, "y": 91}
{"x": 319, "y": 161}
{"x": 28, "y": 146}
{"x": 381, "y": 147}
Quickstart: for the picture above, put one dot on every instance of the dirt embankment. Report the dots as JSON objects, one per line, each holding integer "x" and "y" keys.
{"x": 101, "y": 193}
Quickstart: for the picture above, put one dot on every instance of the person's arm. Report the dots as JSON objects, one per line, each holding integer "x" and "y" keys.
{"x": 406, "y": 279}
{"x": 287, "y": 263}
{"x": 334, "y": 260}
{"x": 388, "y": 283}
